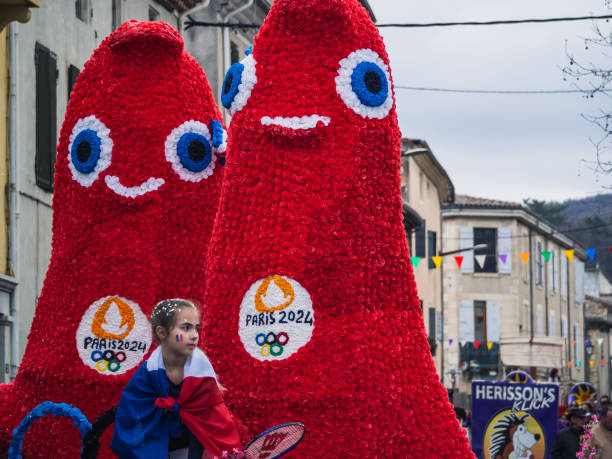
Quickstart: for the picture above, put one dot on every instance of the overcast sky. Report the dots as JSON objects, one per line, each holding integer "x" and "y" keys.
{"x": 506, "y": 147}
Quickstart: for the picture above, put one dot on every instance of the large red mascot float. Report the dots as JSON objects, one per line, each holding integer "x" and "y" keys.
{"x": 136, "y": 188}
{"x": 309, "y": 283}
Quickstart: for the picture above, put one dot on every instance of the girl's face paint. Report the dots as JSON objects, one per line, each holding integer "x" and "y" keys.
{"x": 185, "y": 331}
{"x": 179, "y": 337}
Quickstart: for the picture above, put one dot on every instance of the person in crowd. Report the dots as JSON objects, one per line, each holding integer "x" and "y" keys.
{"x": 601, "y": 438}
{"x": 562, "y": 421}
{"x": 172, "y": 406}
{"x": 567, "y": 441}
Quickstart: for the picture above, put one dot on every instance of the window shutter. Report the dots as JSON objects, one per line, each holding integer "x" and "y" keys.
{"x": 564, "y": 276}
{"x": 493, "y": 321}
{"x": 73, "y": 73}
{"x": 579, "y": 281}
{"x": 540, "y": 323}
{"x": 432, "y": 322}
{"x": 46, "y": 125}
{"x": 466, "y": 239}
{"x": 551, "y": 327}
{"x": 466, "y": 321}
{"x": 504, "y": 247}
{"x": 439, "y": 325}
{"x": 555, "y": 260}
{"x": 419, "y": 240}
{"x": 550, "y": 271}
{"x": 431, "y": 248}
{"x": 563, "y": 327}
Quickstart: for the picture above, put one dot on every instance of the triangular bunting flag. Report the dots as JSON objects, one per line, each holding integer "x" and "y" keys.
{"x": 489, "y": 345}
{"x": 569, "y": 363}
{"x": 450, "y": 341}
{"x": 569, "y": 253}
{"x": 603, "y": 362}
{"x": 524, "y": 257}
{"x": 580, "y": 363}
{"x": 459, "y": 260}
{"x": 600, "y": 341}
{"x": 415, "y": 261}
{"x": 610, "y": 248}
{"x": 503, "y": 257}
{"x": 573, "y": 342}
{"x": 480, "y": 259}
{"x": 462, "y": 343}
{"x": 591, "y": 362}
{"x": 546, "y": 255}
{"x": 591, "y": 253}
{"x": 476, "y": 344}
{"x": 437, "y": 261}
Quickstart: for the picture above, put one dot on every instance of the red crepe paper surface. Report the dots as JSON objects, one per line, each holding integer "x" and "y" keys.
{"x": 322, "y": 207}
{"x": 141, "y": 85}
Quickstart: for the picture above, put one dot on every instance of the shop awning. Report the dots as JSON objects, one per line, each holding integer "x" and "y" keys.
{"x": 543, "y": 352}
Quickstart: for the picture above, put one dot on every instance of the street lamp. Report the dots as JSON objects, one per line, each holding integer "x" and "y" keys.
{"x": 589, "y": 347}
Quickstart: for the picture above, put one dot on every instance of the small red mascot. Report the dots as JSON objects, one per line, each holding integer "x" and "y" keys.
{"x": 137, "y": 182}
{"x": 309, "y": 282}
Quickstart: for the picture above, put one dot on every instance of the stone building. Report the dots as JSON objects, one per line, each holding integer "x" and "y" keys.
{"x": 425, "y": 188}
{"x": 513, "y": 297}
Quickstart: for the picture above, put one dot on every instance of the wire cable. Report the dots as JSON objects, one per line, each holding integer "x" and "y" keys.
{"x": 501, "y": 91}
{"x": 240, "y": 25}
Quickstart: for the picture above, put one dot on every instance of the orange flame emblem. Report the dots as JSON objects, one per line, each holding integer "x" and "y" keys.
{"x": 114, "y": 320}
{"x": 263, "y": 294}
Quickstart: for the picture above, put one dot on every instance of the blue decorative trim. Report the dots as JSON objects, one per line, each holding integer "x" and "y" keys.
{"x": 217, "y": 133}
{"x": 248, "y": 51}
{"x": 232, "y": 80}
{"x": 358, "y": 83}
{"x": 182, "y": 150}
{"x": 92, "y": 138}
{"x": 56, "y": 409}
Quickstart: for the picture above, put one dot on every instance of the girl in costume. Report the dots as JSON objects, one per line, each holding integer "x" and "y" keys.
{"x": 172, "y": 406}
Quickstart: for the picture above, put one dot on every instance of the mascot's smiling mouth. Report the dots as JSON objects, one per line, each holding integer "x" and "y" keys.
{"x": 296, "y": 122}
{"x": 151, "y": 184}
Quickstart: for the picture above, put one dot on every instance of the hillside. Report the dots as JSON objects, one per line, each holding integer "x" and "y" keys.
{"x": 589, "y": 221}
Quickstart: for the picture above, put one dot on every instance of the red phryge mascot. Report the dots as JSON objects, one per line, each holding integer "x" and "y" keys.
{"x": 137, "y": 184}
{"x": 309, "y": 283}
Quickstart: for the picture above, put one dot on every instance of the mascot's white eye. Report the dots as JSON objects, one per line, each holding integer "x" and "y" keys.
{"x": 521, "y": 429}
{"x": 238, "y": 84}
{"x": 364, "y": 85}
{"x": 192, "y": 150}
{"x": 90, "y": 150}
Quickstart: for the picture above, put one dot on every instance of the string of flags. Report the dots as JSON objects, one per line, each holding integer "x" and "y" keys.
{"x": 503, "y": 257}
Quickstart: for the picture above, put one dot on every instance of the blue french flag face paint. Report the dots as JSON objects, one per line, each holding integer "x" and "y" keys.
{"x": 179, "y": 337}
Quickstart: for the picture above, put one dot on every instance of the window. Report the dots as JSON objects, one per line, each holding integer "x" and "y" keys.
{"x": 82, "y": 9}
{"x": 431, "y": 248}
{"x": 564, "y": 277}
{"x": 486, "y": 259}
{"x": 153, "y": 14}
{"x": 46, "y": 112}
{"x": 563, "y": 327}
{"x": 539, "y": 268}
{"x": 540, "y": 321}
{"x": 73, "y": 73}
{"x": 419, "y": 241}
{"x": 480, "y": 321}
{"x": 116, "y": 13}
{"x": 234, "y": 53}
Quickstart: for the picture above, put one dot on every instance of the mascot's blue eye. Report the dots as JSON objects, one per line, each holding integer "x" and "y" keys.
{"x": 90, "y": 150}
{"x": 85, "y": 151}
{"x": 370, "y": 84}
{"x": 232, "y": 80}
{"x": 364, "y": 84}
{"x": 238, "y": 84}
{"x": 194, "y": 151}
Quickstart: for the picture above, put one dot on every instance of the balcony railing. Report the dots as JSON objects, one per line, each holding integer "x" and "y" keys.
{"x": 482, "y": 360}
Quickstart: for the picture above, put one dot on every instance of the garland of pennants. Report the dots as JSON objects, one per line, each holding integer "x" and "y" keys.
{"x": 503, "y": 257}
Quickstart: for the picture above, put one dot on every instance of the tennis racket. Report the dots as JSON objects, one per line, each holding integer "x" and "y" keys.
{"x": 276, "y": 441}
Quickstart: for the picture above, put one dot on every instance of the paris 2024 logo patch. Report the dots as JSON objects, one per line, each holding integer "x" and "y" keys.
{"x": 113, "y": 336}
{"x": 513, "y": 435}
{"x": 276, "y": 318}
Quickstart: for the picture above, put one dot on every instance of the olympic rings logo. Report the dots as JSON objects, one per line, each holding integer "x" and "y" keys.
{"x": 272, "y": 344}
{"x": 108, "y": 360}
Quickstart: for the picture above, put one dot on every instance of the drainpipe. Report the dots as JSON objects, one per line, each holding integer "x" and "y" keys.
{"x": 13, "y": 271}
{"x": 531, "y": 287}
{"x": 226, "y": 46}
{"x": 442, "y": 303}
{"x": 569, "y": 327}
{"x": 185, "y": 13}
{"x": 546, "y": 292}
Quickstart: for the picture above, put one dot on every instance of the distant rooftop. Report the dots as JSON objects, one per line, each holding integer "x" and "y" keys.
{"x": 470, "y": 201}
